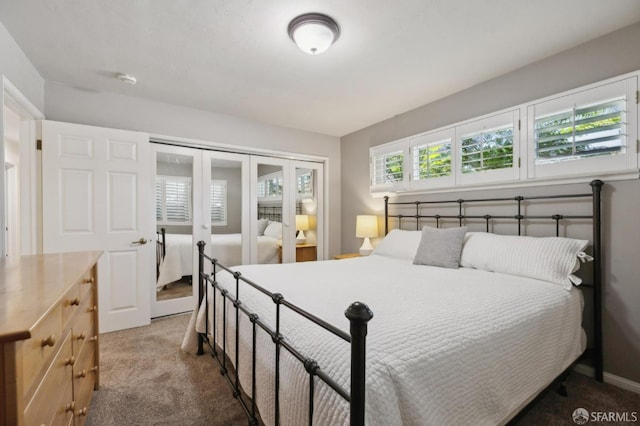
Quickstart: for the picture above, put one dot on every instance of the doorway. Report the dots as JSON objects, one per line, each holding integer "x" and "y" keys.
{"x": 18, "y": 180}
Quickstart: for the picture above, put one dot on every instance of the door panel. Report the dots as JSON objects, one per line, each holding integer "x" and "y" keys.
{"x": 95, "y": 183}
{"x": 177, "y": 194}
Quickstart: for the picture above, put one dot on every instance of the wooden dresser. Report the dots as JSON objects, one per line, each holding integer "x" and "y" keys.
{"x": 49, "y": 352}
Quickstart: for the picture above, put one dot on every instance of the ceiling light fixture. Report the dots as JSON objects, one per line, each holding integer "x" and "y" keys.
{"x": 126, "y": 78}
{"x": 313, "y": 32}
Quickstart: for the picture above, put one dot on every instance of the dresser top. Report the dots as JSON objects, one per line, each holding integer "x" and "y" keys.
{"x": 30, "y": 286}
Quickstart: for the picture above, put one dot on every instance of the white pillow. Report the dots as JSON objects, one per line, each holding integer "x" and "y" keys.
{"x": 273, "y": 229}
{"x": 262, "y": 225}
{"x": 399, "y": 244}
{"x": 550, "y": 259}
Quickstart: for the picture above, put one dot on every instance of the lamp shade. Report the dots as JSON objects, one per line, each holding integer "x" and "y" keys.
{"x": 302, "y": 222}
{"x": 366, "y": 226}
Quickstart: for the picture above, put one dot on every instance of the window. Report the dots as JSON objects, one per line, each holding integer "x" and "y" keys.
{"x": 387, "y": 165}
{"x": 488, "y": 149}
{"x": 173, "y": 200}
{"x": 218, "y": 194}
{"x": 432, "y": 162}
{"x": 585, "y": 132}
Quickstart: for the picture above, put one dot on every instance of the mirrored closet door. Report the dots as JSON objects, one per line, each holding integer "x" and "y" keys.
{"x": 226, "y": 217}
{"x": 178, "y": 185}
{"x": 288, "y": 215}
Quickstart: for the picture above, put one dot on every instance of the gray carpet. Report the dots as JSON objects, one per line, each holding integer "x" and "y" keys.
{"x": 147, "y": 380}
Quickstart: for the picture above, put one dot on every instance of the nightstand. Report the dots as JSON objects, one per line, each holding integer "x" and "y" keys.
{"x": 304, "y": 253}
{"x": 346, "y": 256}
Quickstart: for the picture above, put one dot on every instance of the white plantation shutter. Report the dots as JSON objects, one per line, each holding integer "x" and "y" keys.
{"x": 388, "y": 168}
{"x": 585, "y": 132}
{"x": 432, "y": 160}
{"x": 487, "y": 149}
{"x": 582, "y": 131}
{"x": 173, "y": 200}
{"x": 218, "y": 194}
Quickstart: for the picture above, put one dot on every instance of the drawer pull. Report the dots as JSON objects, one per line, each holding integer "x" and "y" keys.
{"x": 75, "y": 301}
{"x": 82, "y": 412}
{"x": 49, "y": 341}
{"x": 70, "y": 406}
{"x": 93, "y": 338}
{"x": 70, "y": 361}
{"x": 94, "y": 369}
{"x": 81, "y": 336}
{"x": 88, "y": 280}
{"x": 81, "y": 374}
{"x": 92, "y": 309}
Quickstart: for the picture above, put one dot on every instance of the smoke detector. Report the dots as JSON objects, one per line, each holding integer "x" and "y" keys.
{"x": 126, "y": 78}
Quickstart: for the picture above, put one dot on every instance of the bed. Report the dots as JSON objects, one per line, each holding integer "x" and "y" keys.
{"x": 177, "y": 254}
{"x": 445, "y": 346}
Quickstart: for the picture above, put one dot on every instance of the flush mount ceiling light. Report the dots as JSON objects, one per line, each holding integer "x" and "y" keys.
{"x": 126, "y": 78}
{"x": 313, "y": 32}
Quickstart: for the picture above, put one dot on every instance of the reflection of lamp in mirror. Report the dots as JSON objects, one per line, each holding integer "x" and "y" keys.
{"x": 302, "y": 224}
{"x": 366, "y": 227}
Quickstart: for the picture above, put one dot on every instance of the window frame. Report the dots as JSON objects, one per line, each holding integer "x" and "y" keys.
{"x": 387, "y": 149}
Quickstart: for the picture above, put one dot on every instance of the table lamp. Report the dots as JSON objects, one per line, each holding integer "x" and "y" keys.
{"x": 302, "y": 224}
{"x": 366, "y": 227}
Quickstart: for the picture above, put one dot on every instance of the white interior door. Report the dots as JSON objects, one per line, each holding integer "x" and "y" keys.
{"x": 95, "y": 187}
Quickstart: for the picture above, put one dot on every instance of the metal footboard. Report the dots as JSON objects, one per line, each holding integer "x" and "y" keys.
{"x": 357, "y": 313}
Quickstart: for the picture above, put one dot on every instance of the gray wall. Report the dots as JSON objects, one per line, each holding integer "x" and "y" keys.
{"x": 75, "y": 105}
{"x": 608, "y": 56}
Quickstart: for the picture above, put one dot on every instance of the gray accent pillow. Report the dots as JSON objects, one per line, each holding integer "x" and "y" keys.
{"x": 440, "y": 247}
{"x": 262, "y": 225}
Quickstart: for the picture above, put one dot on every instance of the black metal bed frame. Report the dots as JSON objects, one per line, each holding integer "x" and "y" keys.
{"x": 274, "y": 212}
{"x": 596, "y": 352}
{"x": 161, "y": 249}
{"x": 359, "y": 314}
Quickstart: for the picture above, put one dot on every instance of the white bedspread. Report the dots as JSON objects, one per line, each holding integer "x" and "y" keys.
{"x": 444, "y": 347}
{"x": 227, "y": 248}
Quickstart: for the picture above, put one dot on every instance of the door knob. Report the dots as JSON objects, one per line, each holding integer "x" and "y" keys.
{"x": 142, "y": 241}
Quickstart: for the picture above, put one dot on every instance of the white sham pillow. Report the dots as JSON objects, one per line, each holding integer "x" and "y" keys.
{"x": 400, "y": 244}
{"x": 550, "y": 259}
{"x": 273, "y": 229}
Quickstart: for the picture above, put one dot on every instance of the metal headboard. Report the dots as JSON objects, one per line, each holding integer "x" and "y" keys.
{"x": 274, "y": 212}
{"x": 520, "y": 218}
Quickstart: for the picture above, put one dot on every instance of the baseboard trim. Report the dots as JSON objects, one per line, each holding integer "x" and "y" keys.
{"x": 618, "y": 381}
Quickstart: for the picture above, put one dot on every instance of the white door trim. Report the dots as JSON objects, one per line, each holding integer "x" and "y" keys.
{"x": 29, "y": 208}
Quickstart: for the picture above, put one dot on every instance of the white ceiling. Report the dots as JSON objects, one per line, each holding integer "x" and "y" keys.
{"x": 235, "y": 57}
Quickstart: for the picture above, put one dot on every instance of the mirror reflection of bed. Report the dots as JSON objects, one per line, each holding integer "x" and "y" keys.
{"x": 174, "y": 218}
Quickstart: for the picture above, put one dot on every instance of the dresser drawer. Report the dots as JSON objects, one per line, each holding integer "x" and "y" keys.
{"x": 40, "y": 348}
{"x": 70, "y": 302}
{"x": 84, "y": 326}
{"x": 84, "y": 379}
{"x": 86, "y": 284}
{"x": 52, "y": 401}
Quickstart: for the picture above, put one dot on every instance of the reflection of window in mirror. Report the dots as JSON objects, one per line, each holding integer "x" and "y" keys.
{"x": 173, "y": 200}
{"x": 218, "y": 202}
{"x": 304, "y": 183}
